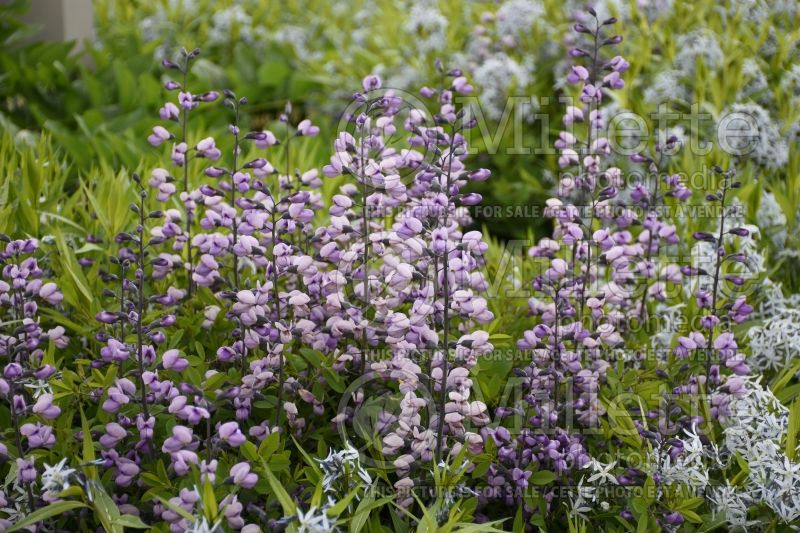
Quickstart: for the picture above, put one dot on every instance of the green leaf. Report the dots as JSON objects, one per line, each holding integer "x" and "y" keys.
{"x": 72, "y": 267}
{"x": 342, "y": 504}
{"x": 288, "y": 505}
{"x": 784, "y": 378}
{"x": 519, "y": 521}
{"x": 362, "y": 512}
{"x": 542, "y": 477}
{"x": 316, "y": 499}
{"x": 175, "y": 508}
{"x": 88, "y": 446}
{"x": 214, "y": 382}
{"x": 308, "y": 459}
{"x": 691, "y": 503}
{"x": 710, "y": 524}
{"x": 105, "y": 509}
{"x": 649, "y": 491}
{"x": 622, "y": 424}
{"x": 249, "y": 451}
{"x": 54, "y": 509}
{"x": 210, "y": 506}
{"x": 791, "y": 431}
{"x": 693, "y": 517}
{"x": 129, "y": 520}
{"x": 269, "y": 445}
{"x": 643, "y": 525}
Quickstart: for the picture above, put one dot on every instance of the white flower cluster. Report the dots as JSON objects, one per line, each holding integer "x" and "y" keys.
{"x": 669, "y": 326}
{"x": 727, "y": 501}
{"x": 13, "y": 503}
{"x": 201, "y": 525}
{"x": 698, "y": 45}
{"x": 790, "y": 83}
{"x": 586, "y": 497}
{"x": 757, "y": 86}
{"x": 691, "y": 468}
{"x": 755, "y": 431}
{"x": 776, "y": 340}
{"x": 315, "y": 520}
{"x": 342, "y": 465}
{"x": 491, "y": 54}
{"x": 751, "y": 132}
{"x": 751, "y": 10}
{"x": 761, "y": 10}
{"x": 703, "y": 256}
{"x": 428, "y": 25}
{"x": 666, "y": 86}
{"x": 496, "y": 76}
{"x": 231, "y": 23}
{"x": 609, "y": 8}
{"x": 56, "y": 478}
{"x": 515, "y": 18}
{"x": 750, "y": 245}
{"x": 300, "y": 39}
{"x": 771, "y": 219}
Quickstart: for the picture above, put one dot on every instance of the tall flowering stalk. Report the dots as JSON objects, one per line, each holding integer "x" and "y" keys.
{"x": 720, "y": 350}
{"x": 578, "y": 309}
{"x": 427, "y": 263}
{"x": 264, "y": 221}
{"x": 181, "y": 152}
{"x": 134, "y": 303}
{"x": 25, "y": 373}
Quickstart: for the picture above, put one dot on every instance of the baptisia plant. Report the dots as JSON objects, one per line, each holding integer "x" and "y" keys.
{"x": 592, "y": 307}
{"x": 252, "y": 310}
{"x": 410, "y": 278}
{"x": 612, "y": 259}
{"x": 268, "y": 217}
{"x": 27, "y": 365}
{"x": 253, "y": 225}
{"x": 578, "y": 309}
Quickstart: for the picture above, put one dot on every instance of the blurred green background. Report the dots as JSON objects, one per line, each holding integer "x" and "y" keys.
{"x": 80, "y": 112}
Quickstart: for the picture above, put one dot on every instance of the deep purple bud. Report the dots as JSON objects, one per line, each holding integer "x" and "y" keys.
{"x": 674, "y": 518}
{"x": 215, "y": 172}
{"x": 481, "y": 174}
{"x": 106, "y": 317}
{"x": 210, "y": 96}
{"x": 256, "y": 163}
{"x": 703, "y": 236}
{"x": 45, "y": 372}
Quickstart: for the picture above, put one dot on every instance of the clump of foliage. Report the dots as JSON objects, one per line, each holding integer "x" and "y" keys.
{"x": 236, "y": 336}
